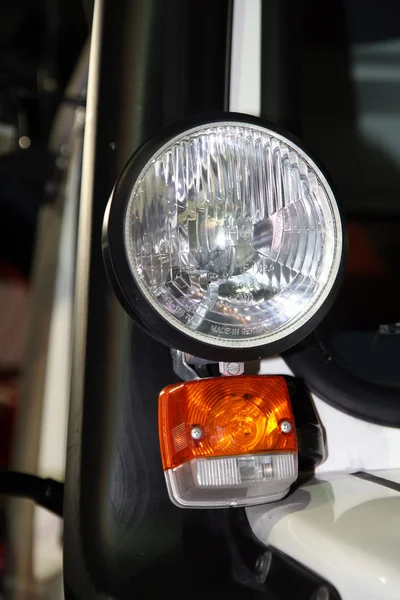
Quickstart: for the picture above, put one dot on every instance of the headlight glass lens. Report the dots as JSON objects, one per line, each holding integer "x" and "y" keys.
{"x": 233, "y": 234}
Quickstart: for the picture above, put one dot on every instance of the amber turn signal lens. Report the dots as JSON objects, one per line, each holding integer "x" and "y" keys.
{"x": 243, "y": 426}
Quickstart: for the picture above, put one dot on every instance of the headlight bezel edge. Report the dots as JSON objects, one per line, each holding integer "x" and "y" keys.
{"x": 129, "y": 292}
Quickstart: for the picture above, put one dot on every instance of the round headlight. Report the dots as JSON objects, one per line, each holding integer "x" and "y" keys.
{"x": 224, "y": 239}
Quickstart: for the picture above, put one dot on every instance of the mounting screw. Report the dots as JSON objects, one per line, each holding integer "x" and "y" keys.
{"x": 231, "y": 368}
{"x": 196, "y": 432}
{"x": 321, "y": 594}
{"x": 263, "y": 564}
{"x": 286, "y": 427}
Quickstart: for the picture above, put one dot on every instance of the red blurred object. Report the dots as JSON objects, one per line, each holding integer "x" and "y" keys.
{"x": 363, "y": 257}
{"x": 14, "y": 307}
{"x": 14, "y": 303}
{"x": 10, "y": 274}
{"x": 8, "y": 406}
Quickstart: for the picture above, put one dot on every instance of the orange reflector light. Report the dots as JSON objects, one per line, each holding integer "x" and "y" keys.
{"x": 227, "y": 441}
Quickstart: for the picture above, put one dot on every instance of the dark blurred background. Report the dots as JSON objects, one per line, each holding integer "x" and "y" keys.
{"x": 40, "y": 44}
{"x": 40, "y": 41}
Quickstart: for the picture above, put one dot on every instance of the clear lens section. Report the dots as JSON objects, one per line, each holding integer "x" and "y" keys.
{"x": 232, "y": 481}
{"x": 233, "y": 235}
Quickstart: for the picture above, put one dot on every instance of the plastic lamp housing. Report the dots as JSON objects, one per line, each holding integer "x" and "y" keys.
{"x": 227, "y": 441}
{"x": 223, "y": 239}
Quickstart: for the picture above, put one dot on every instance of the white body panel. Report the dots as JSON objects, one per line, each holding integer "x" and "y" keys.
{"x": 346, "y": 529}
{"x": 245, "y": 83}
{"x": 352, "y": 445}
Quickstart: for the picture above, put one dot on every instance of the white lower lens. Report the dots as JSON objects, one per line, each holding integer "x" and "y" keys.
{"x": 233, "y": 235}
{"x": 232, "y": 480}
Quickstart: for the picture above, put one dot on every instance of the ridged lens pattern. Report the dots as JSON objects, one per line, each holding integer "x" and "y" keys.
{"x": 232, "y": 481}
{"x": 235, "y": 415}
{"x": 233, "y": 235}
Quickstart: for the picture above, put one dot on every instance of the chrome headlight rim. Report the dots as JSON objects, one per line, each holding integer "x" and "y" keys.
{"x": 129, "y": 291}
